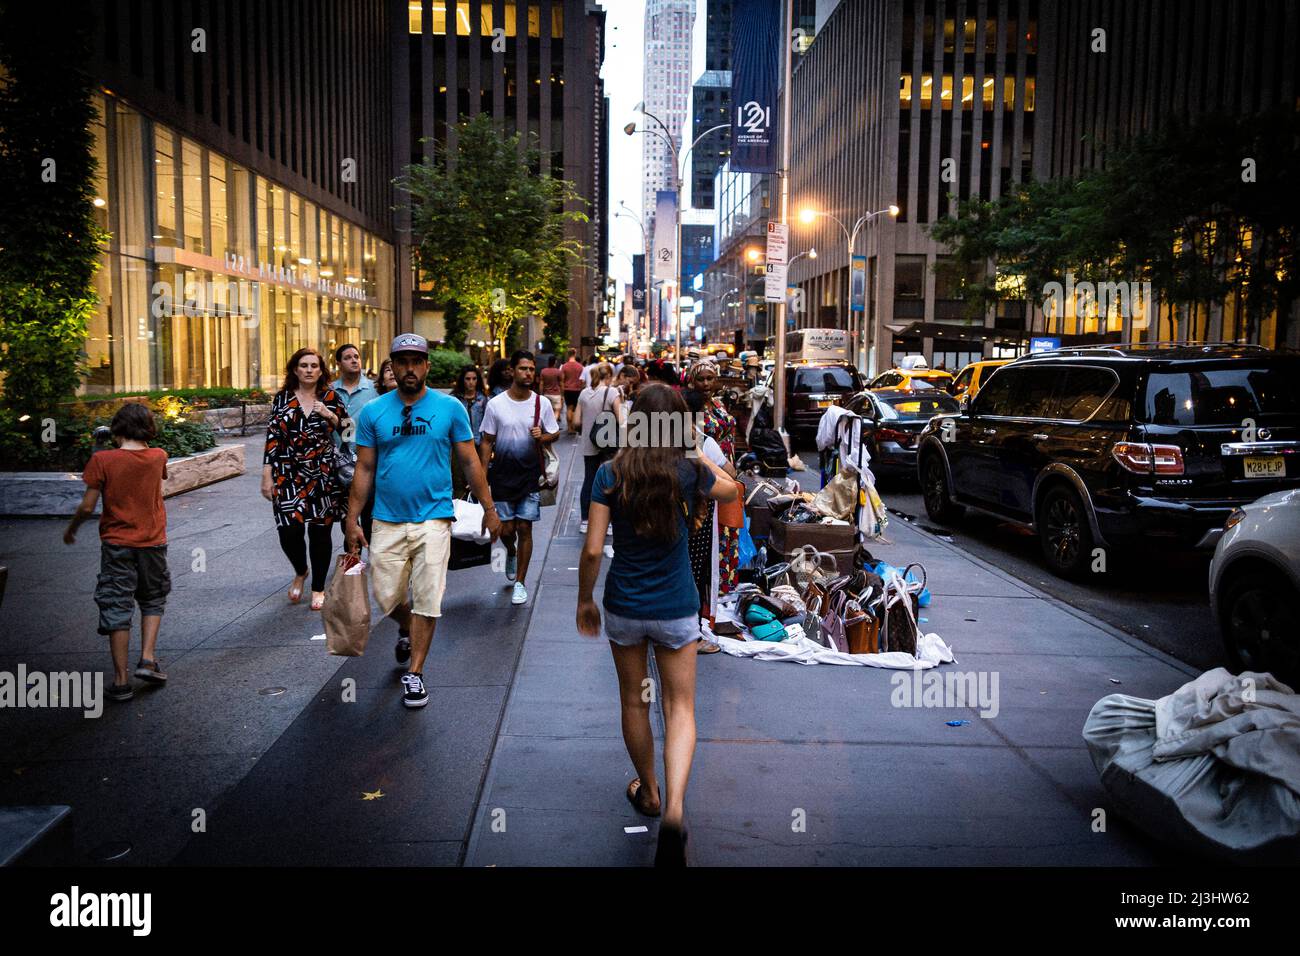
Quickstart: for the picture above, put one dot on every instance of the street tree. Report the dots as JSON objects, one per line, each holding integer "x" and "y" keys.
{"x": 489, "y": 229}
{"x": 50, "y": 243}
{"x": 1205, "y": 211}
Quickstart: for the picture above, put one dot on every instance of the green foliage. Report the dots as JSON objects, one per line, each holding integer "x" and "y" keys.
{"x": 23, "y": 446}
{"x": 445, "y": 365}
{"x": 1171, "y": 208}
{"x": 211, "y": 397}
{"x": 555, "y": 329}
{"x": 489, "y": 232}
{"x": 455, "y": 324}
{"x": 50, "y": 244}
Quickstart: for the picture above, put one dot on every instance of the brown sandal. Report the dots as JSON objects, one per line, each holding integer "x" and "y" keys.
{"x": 633, "y": 795}
{"x": 707, "y": 647}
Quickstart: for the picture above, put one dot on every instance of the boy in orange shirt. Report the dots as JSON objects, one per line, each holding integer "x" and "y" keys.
{"x": 133, "y": 536}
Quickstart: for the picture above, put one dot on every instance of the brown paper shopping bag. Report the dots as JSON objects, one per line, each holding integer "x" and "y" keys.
{"x": 346, "y": 611}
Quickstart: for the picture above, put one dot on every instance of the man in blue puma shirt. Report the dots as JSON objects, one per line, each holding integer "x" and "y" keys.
{"x": 404, "y": 444}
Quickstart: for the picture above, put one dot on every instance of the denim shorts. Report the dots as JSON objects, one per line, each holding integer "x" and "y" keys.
{"x": 527, "y": 508}
{"x": 129, "y": 577}
{"x": 673, "y": 634}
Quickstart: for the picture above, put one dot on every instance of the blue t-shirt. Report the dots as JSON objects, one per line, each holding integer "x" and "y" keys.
{"x": 413, "y": 470}
{"x": 650, "y": 580}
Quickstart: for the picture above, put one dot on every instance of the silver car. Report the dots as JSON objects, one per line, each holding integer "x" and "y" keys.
{"x": 1255, "y": 586}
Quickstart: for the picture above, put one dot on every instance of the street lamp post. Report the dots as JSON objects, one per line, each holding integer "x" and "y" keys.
{"x": 678, "y": 163}
{"x": 850, "y": 239}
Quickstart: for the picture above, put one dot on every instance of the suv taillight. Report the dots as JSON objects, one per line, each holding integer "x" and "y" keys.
{"x": 1144, "y": 459}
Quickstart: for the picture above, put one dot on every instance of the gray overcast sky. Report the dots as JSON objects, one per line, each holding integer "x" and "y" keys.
{"x": 624, "y": 24}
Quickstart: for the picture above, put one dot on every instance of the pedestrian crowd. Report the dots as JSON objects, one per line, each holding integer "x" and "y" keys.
{"x": 386, "y": 456}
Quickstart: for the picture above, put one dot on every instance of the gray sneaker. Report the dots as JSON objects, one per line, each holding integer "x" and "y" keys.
{"x": 512, "y": 566}
{"x": 151, "y": 671}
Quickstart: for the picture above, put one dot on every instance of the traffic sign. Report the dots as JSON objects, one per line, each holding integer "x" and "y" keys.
{"x": 778, "y": 239}
{"x": 774, "y": 282}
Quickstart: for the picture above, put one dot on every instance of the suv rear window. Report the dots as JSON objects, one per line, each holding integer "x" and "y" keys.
{"x": 919, "y": 407}
{"x": 1221, "y": 396}
{"x": 823, "y": 380}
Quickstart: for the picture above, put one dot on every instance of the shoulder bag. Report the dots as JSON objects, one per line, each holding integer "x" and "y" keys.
{"x": 601, "y": 435}
{"x": 550, "y": 477}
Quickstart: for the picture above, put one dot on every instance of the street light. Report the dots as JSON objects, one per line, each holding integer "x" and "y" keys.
{"x": 808, "y": 214}
{"x": 679, "y": 162}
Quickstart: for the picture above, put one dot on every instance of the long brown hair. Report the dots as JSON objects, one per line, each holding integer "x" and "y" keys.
{"x": 645, "y": 478}
{"x": 291, "y": 374}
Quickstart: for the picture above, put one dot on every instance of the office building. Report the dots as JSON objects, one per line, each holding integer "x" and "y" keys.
{"x": 244, "y": 176}
{"x": 535, "y": 68}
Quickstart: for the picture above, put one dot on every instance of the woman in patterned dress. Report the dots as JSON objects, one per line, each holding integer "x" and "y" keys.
{"x": 299, "y": 474}
{"x": 719, "y": 425}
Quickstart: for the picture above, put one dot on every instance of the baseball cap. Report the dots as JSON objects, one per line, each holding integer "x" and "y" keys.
{"x": 409, "y": 342}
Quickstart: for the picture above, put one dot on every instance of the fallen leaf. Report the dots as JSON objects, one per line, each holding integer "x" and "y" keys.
{"x": 371, "y": 796}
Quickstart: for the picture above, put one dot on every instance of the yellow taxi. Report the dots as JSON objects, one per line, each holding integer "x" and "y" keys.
{"x": 972, "y": 378}
{"x": 911, "y": 379}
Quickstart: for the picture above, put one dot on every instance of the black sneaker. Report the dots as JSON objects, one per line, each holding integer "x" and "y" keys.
{"x": 403, "y": 649}
{"x": 120, "y": 691}
{"x": 414, "y": 694}
{"x": 151, "y": 671}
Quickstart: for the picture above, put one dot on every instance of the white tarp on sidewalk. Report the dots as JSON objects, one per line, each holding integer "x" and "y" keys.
{"x": 931, "y": 651}
{"x": 1214, "y": 766}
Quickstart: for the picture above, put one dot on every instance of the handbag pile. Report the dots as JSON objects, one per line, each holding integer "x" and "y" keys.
{"x": 859, "y": 612}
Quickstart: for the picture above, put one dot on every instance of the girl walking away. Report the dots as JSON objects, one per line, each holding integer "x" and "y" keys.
{"x": 299, "y": 473}
{"x": 602, "y": 397}
{"x": 498, "y": 377}
{"x": 133, "y": 543}
{"x": 653, "y": 496}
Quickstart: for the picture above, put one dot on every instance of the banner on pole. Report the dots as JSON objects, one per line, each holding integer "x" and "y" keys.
{"x": 757, "y": 56}
{"x": 858, "y": 284}
{"x": 778, "y": 241}
{"x": 638, "y": 281}
{"x": 665, "y": 247}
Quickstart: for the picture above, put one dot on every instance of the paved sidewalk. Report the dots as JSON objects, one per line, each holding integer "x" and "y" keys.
{"x": 518, "y": 759}
{"x": 782, "y": 744}
{"x": 279, "y": 775}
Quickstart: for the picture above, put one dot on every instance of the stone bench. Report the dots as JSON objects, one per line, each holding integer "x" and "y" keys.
{"x": 35, "y": 836}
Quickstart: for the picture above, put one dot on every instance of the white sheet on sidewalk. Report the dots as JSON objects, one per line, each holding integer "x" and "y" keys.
{"x": 1212, "y": 766}
{"x": 931, "y": 651}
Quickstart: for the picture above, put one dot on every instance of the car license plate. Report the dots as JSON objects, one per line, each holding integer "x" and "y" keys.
{"x": 1259, "y": 466}
{"x": 825, "y": 404}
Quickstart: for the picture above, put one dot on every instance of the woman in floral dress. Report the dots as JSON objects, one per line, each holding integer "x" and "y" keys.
{"x": 299, "y": 472}
{"x": 719, "y": 425}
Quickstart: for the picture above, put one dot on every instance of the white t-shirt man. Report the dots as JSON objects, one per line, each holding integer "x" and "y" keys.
{"x": 516, "y": 462}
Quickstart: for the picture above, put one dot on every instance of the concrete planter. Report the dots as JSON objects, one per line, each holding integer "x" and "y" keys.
{"x": 253, "y": 417}
{"x": 57, "y": 493}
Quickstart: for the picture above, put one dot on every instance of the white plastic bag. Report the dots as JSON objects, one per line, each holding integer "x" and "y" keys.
{"x": 468, "y": 524}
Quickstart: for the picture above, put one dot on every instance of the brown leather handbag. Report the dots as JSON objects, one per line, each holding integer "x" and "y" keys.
{"x": 861, "y": 629}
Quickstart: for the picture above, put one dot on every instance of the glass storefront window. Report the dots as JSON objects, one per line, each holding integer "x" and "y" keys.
{"x": 192, "y": 171}
{"x": 165, "y": 233}
{"x": 218, "y": 204}
{"x": 169, "y": 324}
{"x": 263, "y": 221}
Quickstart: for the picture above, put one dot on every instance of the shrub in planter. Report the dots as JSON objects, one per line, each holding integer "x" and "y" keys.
{"x": 445, "y": 365}
{"x": 71, "y": 433}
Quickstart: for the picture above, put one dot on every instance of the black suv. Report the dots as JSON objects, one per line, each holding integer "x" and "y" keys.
{"x": 1104, "y": 444}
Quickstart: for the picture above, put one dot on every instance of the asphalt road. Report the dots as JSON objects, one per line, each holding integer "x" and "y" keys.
{"x": 1158, "y": 597}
